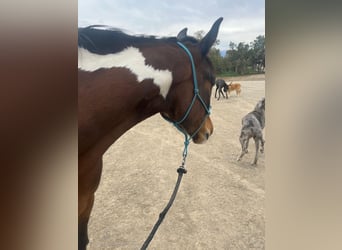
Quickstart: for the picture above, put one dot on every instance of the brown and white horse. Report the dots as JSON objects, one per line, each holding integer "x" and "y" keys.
{"x": 125, "y": 79}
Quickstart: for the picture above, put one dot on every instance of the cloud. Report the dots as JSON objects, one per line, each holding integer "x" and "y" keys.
{"x": 243, "y": 20}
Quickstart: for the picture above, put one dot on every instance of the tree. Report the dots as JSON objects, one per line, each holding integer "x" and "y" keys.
{"x": 240, "y": 58}
{"x": 232, "y": 46}
{"x": 258, "y": 59}
{"x": 244, "y": 58}
{"x": 217, "y": 60}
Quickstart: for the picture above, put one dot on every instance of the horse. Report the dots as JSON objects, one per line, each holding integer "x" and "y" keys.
{"x": 221, "y": 84}
{"x": 124, "y": 79}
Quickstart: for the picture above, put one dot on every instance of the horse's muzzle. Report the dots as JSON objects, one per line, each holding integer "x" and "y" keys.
{"x": 205, "y": 132}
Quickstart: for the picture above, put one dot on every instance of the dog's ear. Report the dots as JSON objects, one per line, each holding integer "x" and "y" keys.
{"x": 263, "y": 103}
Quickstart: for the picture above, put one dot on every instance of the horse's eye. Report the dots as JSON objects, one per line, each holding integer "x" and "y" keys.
{"x": 212, "y": 79}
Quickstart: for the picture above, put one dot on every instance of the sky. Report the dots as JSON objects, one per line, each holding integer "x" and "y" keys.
{"x": 243, "y": 20}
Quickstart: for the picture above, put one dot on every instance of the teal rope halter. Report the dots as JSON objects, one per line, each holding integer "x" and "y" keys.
{"x": 196, "y": 96}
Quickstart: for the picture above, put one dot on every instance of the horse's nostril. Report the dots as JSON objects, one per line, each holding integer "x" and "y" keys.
{"x": 207, "y": 135}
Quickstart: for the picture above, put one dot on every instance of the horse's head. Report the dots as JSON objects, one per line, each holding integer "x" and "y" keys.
{"x": 190, "y": 110}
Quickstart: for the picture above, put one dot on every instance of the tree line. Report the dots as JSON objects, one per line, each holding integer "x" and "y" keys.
{"x": 239, "y": 59}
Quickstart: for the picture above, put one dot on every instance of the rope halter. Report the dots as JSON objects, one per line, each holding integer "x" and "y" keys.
{"x": 185, "y": 116}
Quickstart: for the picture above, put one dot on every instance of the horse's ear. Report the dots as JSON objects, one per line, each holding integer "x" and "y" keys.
{"x": 182, "y": 34}
{"x": 210, "y": 38}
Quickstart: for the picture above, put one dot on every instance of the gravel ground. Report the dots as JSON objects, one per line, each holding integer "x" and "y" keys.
{"x": 220, "y": 203}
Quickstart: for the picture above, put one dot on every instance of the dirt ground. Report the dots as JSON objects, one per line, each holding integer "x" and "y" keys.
{"x": 220, "y": 203}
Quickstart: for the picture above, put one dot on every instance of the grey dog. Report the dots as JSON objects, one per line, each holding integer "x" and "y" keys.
{"x": 252, "y": 126}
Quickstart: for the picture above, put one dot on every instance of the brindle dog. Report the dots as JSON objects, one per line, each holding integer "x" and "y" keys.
{"x": 252, "y": 126}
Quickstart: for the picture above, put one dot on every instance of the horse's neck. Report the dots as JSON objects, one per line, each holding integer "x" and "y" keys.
{"x": 114, "y": 108}
{"x": 120, "y": 90}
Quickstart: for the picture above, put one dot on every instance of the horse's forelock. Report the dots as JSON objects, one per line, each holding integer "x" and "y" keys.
{"x": 189, "y": 39}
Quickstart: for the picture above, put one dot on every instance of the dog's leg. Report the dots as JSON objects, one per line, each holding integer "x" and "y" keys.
{"x": 240, "y": 156}
{"x": 256, "y": 140}
{"x": 262, "y": 145}
{"x": 221, "y": 92}
{"x": 244, "y": 144}
{"x": 246, "y": 147}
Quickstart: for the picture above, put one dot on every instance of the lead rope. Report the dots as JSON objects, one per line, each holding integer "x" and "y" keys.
{"x": 181, "y": 170}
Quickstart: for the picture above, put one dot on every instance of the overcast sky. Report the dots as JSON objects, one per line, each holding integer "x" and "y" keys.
{"x": 243, "y": 20}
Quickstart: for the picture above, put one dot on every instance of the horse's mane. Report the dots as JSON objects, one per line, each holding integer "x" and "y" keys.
{"x": 102, "y": 39}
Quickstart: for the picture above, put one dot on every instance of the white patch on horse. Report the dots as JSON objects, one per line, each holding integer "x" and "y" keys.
{"x": 130, "y": 58}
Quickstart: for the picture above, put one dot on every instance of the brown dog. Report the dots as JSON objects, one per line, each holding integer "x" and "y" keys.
{"x": 234, "y": 86}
